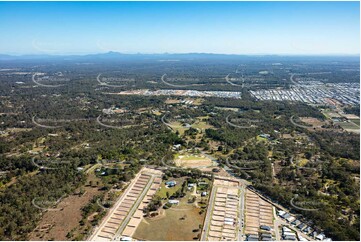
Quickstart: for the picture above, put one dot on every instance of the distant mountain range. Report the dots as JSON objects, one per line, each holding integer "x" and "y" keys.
{"x": 168, "y": 57}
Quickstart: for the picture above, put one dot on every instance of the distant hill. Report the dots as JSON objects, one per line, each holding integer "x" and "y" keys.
{"x": 112, "y": 56}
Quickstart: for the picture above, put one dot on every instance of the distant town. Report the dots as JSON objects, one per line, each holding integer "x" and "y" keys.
{"x": 314, "y": 93}
{"x": 186, "y": 93}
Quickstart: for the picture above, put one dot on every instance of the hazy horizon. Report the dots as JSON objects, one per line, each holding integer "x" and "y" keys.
{"x": 180, "y": 53}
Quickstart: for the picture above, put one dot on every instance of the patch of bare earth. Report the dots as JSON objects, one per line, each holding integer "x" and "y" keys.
{"x": 316, "y": 123}
{"x": 194, "y": 163}
{"x": 57, "y": 224}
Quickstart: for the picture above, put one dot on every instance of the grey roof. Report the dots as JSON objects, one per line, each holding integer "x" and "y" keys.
{"x": 266, "y": 235}
{"x": 252, "y": 236}
{"x": 286, "y": 215}
{"x": 289, "y": 237}
{"x": 296, "y": 221}
{"x": 252, "y": 239}
{"x": 266, "y": 239}
{"x": 265, "y": 227}
{"x": 301, "y": 226}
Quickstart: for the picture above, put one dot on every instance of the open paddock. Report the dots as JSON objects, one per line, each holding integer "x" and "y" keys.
{"x": 170, "y": 226}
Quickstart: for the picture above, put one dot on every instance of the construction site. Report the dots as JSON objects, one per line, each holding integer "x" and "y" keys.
{"x": 233, "y": 212}
{"x": 123, "y": 219}
{"x": 258, "y": 213}
{"x": 222, "y": 221}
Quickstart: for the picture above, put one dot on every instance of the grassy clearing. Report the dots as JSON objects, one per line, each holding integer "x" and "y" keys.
{"x": 346, "y": 125}
{"x": 177, "y": 126}
{"x": 174, "y": 224}
{"x": 202, "y": 125}
{"x": 356, "y": 121}
{"x": 171, "y": 226}
{"x": 162, "y": 192}
{"x": 259, "y": 138}
{"x": 198, "y": 101}
{"x": 156, "y": 112}
{"x": 303, "y": 162}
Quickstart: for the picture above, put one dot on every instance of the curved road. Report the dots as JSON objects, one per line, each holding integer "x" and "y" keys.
{"x": 293, "y": 81}
{"x": 234, "y": 84}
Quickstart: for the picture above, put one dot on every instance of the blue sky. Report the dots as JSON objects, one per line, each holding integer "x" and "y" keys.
{"x": 180, "y": 27}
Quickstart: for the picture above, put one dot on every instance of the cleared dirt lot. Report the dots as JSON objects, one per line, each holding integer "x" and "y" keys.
{"x": 223, "y": 216}
{"x": 258, "y": 212}
{"x": 123, "y": 218}
{"x": 192, "y": 161}
{"x": 138, "y": 214}
{"x": 316, "y": 123}
{"x": 56, "y": 224}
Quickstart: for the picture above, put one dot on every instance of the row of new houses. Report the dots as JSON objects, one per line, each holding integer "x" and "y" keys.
{"x": 302, "y": 227}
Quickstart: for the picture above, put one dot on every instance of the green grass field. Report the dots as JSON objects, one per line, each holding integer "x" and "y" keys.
{"x": 162, "y": 192}
{"x": 356, "y": 121}
{"x": 177, "y": 126}
{"x": 198, "y": 124}
{"x": 345, "y": 125}
{"x": 259, "y": 138}
{"x": 170, "y": 227}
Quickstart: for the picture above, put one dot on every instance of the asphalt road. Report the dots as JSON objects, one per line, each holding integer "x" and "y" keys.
{"x": 279, "y": 222}
{"x": 113, "y": 209}
{"x": 135, "y": 207}
{"x": 291, "y": 79}
{"x": 207, "y": 220}
{"x": 241, "y": 211}
{"x": 234, "y": 84}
